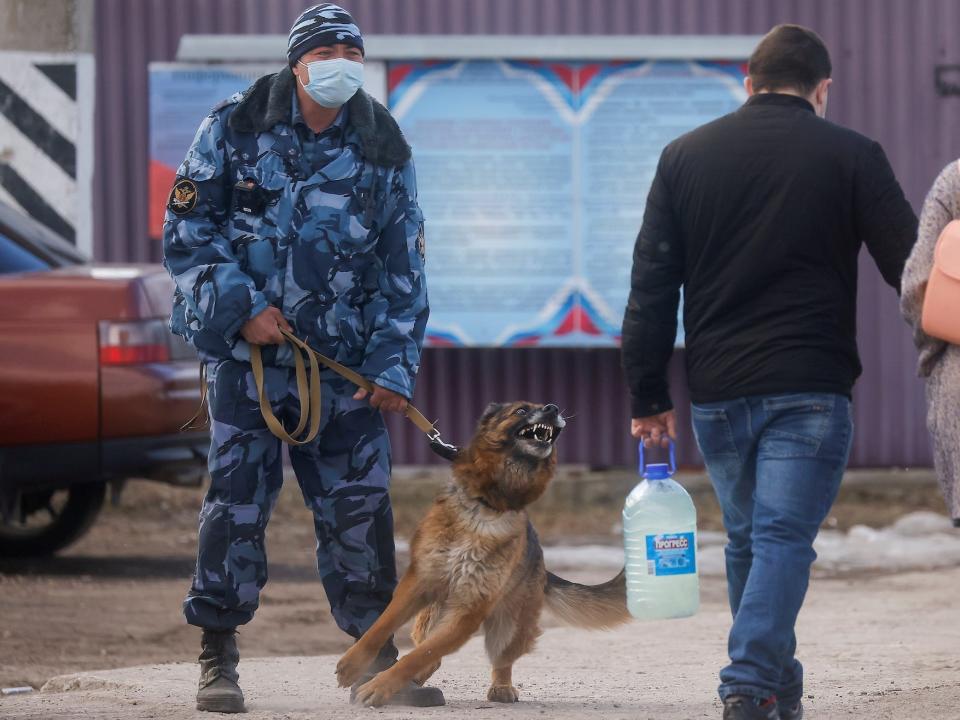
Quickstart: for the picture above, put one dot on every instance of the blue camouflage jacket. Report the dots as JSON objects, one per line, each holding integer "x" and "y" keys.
{"x": 339, "y": 248}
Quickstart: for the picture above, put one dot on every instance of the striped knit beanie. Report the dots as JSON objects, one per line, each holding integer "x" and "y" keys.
{"x": 323, "y": 24}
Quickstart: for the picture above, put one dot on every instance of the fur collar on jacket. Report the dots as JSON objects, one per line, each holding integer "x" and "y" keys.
{"x": 269, "y": 99}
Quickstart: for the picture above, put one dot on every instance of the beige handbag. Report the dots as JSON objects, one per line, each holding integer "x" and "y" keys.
{"x": 941, "y": 303}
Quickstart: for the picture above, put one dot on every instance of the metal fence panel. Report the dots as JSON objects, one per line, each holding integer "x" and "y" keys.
{"x": 884, "y": 54}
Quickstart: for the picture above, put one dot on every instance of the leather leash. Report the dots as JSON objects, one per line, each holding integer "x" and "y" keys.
{"x": 309, "y": 391}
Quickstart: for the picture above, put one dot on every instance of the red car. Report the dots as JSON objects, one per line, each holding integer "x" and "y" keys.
{"x": 93, "y": 387}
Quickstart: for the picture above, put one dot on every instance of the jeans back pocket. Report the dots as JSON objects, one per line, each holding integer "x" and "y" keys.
{"x": 713, "y": 432}
{"x": 803, "y": 425}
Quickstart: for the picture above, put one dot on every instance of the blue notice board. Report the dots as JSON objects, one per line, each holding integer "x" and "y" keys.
{"x": 533, "y": 178}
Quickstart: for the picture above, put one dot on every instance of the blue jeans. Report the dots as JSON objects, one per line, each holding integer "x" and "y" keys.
{"x": 776, "y": 462}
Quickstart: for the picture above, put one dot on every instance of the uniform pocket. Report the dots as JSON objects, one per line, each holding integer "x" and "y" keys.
{"x": 254, "y": 236}
{"x": 363, "y": 227}
{"x": 258, "y": 200}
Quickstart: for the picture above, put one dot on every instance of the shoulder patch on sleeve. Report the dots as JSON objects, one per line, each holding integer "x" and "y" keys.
{"x": 183, "y": 197}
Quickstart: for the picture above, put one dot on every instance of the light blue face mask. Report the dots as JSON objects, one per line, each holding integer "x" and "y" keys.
{"x": 333, "y": 82}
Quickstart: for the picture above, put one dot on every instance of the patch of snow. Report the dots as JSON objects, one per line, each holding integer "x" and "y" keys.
{"x": 607, "y": 557}
{"x": 918, "y": 541}
{"x": 923, "y": 523}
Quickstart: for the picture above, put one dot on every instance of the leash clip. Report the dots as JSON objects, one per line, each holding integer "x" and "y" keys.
{"x": 441, "y": 448}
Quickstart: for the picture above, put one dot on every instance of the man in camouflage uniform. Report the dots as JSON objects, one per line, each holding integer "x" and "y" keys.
{"x": 296, "y": 208}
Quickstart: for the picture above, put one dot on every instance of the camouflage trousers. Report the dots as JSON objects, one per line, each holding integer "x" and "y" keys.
{"x": 343, "y": 474}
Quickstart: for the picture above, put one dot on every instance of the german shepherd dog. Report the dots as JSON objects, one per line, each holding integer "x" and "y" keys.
{"x": 476, "y": 561}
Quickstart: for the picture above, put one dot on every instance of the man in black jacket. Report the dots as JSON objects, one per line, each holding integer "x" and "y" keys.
{"x": 760, "y": 215}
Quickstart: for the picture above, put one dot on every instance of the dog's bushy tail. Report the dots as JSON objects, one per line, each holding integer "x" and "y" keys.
{"x": 596, "y": 607}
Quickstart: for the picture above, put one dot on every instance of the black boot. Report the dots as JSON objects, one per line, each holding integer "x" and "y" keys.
{"x": 219, "y": 691}
{"x": 412, "y": 695}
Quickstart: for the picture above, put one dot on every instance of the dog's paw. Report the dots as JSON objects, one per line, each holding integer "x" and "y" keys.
{"x": 503, "y": 694}
{"x": 376, "y": 692}
{"x": 351, "y": 666}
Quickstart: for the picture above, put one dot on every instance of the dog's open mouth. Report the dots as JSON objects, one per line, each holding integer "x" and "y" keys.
{"x": 539, "y": 432}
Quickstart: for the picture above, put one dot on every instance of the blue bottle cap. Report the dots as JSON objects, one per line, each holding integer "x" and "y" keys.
{"x": 657, "y": 471}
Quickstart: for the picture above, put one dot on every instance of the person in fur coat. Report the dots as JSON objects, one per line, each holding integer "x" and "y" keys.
{"x": 939, "y": 361}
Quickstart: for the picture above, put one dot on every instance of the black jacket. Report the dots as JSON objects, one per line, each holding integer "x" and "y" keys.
{"x": 760, "y": 215}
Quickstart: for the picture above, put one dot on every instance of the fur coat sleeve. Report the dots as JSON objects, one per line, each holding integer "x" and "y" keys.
{"x": 941, "y": 206}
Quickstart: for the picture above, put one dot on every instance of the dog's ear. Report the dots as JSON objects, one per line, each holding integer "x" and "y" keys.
{"x": 492, "y": 409}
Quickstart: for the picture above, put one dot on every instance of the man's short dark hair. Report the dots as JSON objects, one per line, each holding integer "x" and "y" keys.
{"x": 789, "y": 57}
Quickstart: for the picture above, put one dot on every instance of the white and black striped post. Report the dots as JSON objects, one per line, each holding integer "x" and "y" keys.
{"x": 46, "y": 140}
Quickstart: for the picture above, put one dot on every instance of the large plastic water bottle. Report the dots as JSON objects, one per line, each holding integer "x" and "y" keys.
{"x": 660, "y": 543}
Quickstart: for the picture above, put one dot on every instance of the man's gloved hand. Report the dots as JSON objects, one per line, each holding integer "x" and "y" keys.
{"x": 655, "y": 429}
{"x": 264, "y": 328}
{"x": 383, "y": 399}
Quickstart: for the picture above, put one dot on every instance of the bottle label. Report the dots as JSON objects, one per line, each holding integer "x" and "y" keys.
{"x": 671, "y": 554}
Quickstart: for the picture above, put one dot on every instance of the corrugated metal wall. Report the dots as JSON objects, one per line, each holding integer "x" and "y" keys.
{"x": 884, "y": 54}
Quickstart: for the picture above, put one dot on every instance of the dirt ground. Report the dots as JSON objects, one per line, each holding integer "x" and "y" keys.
{"x": 113, "y": 599}
{"x": 882, "y": 648}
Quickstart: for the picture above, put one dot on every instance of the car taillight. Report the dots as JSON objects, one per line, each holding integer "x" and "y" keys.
{"x": 133, "y": 343}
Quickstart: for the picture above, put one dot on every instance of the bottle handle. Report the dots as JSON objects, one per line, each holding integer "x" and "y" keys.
{"x": 673, "y": 458}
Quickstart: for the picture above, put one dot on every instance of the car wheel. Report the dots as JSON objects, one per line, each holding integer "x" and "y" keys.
{"x": 43, "y": 522}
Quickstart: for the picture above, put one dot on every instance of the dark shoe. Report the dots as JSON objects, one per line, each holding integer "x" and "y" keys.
{"x": 219, "y": 656}
{"x": 745, "y": 707}
{"x": 412, "y": 695}
{"x": 794, "y": 713}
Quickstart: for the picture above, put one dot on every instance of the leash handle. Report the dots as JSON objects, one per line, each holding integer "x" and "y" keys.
{"x": 316, "y": 359}
{"x": 415, "y": 416}
{"x": 309, "y": 392}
